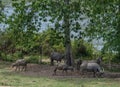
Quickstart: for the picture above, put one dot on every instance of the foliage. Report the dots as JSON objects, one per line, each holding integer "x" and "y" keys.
{"x": 116, "y": 59}
{"x": 1, "y": 12}
{"x": 97, "y": 16}
{"x": 111, "y": 57}
{"x": 105, "y": 23}
{"x": 11, "y": 57}
{"x": 33, "y": 59}
{"x": 82, "y": 48}
{"x": 22, "y": 32}
{"x": 51, "y": 40}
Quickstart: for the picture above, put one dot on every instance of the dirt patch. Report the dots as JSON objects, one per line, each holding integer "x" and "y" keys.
{"x": 48, "y": 71}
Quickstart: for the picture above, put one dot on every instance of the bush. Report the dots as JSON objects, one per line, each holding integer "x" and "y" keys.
{"x": 18, "y": 55}
{"x": 33, "y": 59}
{"x": 3, "y": 56}
{"x": 7, "y": 57}
{"x": 11, "y": 57}
{"x": 116, "y": 59}
{"x": 82, "y": 49}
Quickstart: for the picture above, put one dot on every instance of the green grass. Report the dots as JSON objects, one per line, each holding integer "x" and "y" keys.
{"x": 15, "y": 79}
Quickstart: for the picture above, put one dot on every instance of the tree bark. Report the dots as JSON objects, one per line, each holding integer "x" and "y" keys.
{"x": 68, "y": 50}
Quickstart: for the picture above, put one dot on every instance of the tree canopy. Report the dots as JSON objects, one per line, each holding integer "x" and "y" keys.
{"x": 72, "y": 19}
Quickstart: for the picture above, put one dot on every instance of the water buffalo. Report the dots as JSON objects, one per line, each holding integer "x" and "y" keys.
{"x": 56, "y": 56}
{"x": 79, "y": 62}
{"x": 63, "y": 68}
{"x": 91, "y": 67}
{"x": 20, "y": 63}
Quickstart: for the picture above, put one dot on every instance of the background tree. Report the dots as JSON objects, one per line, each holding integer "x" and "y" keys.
{"x": 67, "y": 13}
{"x": 79, "y": 16}
{"x": 21, "y": 25}
{"x": 104, "y": 24}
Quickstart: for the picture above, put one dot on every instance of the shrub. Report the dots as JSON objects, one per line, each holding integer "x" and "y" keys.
{"x": 7, "y": 57}
{"x": 82, "y": 48}
{"x": 116, "y": 59}
{"x": 11, "y": 57}
{"x": 33, "y": 59}
{"x": 3, "y": 56}
{"x": 18, "y": 55}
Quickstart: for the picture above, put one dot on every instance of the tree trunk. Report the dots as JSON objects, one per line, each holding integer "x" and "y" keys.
{"x": 68, "y": 50}
{"x": 41, "y": 56}
{"x": 110, "y": 65}
{"x": 68, "y": 55}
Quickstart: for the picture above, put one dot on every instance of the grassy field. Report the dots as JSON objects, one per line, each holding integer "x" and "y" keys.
{"x": 9, "y": 78}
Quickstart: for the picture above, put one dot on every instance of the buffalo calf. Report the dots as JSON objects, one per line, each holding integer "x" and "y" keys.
{"x": 20, "y": 63}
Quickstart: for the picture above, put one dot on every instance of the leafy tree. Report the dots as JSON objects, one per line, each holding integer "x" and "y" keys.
{"x": 101, "y": 15}
{"x": 67, "y": 12}
{"x": 21, "y": 26}
{"x": 105, "y": 23}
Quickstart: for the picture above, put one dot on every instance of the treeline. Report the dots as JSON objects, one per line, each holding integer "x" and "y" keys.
{"x": 39, "y": 43}
{"x": 22, "y": 36}
{"x": 43, "y": 43}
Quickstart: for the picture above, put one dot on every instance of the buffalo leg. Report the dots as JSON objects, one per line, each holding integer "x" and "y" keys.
{"x": 52, "y": 62}
{"x": 55, "y": 70}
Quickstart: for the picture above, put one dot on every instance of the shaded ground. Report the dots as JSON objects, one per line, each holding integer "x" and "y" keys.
{"x": 47, "y": 71}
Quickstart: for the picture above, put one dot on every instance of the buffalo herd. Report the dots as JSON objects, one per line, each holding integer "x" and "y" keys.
{"x": 82, "y": 66}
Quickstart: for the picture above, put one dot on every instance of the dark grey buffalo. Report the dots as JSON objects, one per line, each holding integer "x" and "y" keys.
{"x": 20, "y": 63}
{"x": 79, "y": 62}
{"x": 56, "y": 56}
{"x": 63, "y": 67}
{"x": 91, "y": 67}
